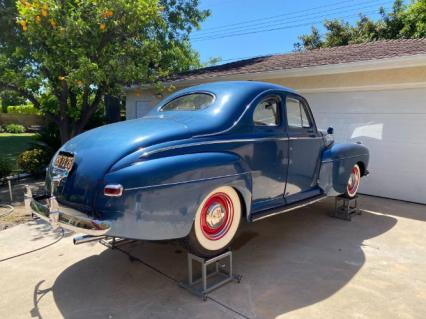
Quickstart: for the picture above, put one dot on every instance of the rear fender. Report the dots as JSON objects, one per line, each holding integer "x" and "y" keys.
{"x": 161, "y": 195}
{"x": 336, "y": 166}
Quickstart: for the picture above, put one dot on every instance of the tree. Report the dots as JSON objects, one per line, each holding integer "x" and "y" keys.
{"x": 415, "y": 20}
{"x": 9, "y": 98}
{"x": 403, "y": 21}
{"x": 73, "y": 52}
{"x": 309, "y": 41}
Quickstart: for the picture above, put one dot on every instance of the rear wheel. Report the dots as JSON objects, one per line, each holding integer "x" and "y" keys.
{"x": 216, "y": 222}
{"x": 353, "y": 182}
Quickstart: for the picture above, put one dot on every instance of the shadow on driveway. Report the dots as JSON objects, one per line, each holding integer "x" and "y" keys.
{"x": 287, "y": 262}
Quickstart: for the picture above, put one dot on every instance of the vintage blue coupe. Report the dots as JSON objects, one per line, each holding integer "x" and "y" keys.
{"x": 204, "y": 159}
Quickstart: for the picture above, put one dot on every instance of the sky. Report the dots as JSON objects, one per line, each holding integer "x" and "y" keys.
{"x": 222, "y": 34}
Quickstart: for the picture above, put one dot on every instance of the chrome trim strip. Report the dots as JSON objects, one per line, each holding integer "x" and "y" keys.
{"x": 185, "y": 182}
{"x": 304, "y": 138}
{"x": 168, "y": 148}
{"x": 242, "y": 140}
{"x": 254, "y": 219}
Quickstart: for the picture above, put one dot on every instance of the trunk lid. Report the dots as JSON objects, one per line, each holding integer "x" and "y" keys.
{"x": 95, "y": 151}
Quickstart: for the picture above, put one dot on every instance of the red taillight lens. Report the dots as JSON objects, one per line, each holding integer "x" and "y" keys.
{"x": 113, "y": 190}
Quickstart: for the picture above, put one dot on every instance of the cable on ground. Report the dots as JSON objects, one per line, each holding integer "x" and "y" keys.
{"x": 34, "y": 250}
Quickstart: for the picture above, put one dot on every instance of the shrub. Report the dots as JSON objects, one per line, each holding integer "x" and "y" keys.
{"x": 23, "y": 109}
{"x": 1, "y": 129}
{"x": 5, "y": 167}
{"x": 14, "y": 128}
{"x": 33, "y": 161}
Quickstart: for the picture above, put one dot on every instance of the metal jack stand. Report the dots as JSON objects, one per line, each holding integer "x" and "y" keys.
{"x": 345, "y": 208}
{"x": 220, "y": 275}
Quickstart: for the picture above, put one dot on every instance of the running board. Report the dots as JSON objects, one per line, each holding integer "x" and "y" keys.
{"x": 284, "y": 209}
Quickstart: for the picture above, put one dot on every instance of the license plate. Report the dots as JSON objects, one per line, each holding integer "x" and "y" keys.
{"x": 64, "y": 161}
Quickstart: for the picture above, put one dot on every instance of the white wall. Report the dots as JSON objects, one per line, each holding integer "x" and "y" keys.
{"x": 392, "y": 124}
{"x": 138, "y": 104}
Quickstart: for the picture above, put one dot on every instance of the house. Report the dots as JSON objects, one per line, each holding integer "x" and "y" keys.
{"x": 374, "y": 93}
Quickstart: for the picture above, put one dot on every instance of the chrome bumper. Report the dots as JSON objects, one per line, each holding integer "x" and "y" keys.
{"x": 46, "y": 207}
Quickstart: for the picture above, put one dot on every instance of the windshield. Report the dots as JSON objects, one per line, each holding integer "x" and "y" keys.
{"x": 189, "y": 102}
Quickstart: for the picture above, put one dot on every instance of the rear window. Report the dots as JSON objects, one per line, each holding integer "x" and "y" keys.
{"x": 189, "y": 102}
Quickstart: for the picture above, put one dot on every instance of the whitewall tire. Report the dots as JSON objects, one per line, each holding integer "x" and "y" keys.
{"x": 216, "y": 222}
{"x": 353, "y": 182}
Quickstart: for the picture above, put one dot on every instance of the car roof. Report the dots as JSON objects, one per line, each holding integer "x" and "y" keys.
{"x": 245, "y": 86}
{"x": 230, "y": 103}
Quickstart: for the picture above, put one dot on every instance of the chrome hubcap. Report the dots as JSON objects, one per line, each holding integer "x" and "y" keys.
{"x": 215, "y": 215}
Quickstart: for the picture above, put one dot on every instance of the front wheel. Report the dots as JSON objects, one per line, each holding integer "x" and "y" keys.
{"x": 216, "y": 222}
{"x": 353, "y": 182}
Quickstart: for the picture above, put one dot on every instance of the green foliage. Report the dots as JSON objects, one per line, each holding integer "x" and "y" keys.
{"x": 415, "y": 20}
{"x": 33, "y": 161}
{"x": 9, "y": 98}
{"x": 49, "y": 139}
{"x": 5, "y": 167}
{"x": 309, "y": 41}
{"x": 404, "y": 21}
{"x": 211, "y": 62}
{"x": 14, "y": 128}
{"x": 65, "y": 55}
{"x": 23, "y": 109}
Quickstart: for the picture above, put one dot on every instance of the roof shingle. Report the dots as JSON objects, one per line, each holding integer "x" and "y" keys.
{"x": 344, "y": 54}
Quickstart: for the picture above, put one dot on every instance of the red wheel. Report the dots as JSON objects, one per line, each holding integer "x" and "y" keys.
{"x": 217, "y": 215}
{"x": 353, "y": 182}
{"x": 216, "y": 222}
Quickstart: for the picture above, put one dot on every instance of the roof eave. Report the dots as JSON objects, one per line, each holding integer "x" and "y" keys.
{"x": 359, "y": 66}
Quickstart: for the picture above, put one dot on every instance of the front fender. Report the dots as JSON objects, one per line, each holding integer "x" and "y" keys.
{"x": 336, "y": 166}
{"x": 161, "y": 195}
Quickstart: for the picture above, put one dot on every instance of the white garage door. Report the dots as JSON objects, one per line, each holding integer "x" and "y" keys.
{"x": 392, "y": 124}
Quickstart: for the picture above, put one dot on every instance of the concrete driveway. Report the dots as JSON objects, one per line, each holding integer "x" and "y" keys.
{"x": 300, "y": 265}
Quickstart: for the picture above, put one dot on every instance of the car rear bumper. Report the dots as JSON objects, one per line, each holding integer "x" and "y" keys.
{"x": 47, "y": 208}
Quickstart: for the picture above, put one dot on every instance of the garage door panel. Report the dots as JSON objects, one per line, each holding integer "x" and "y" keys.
{"x": 392, "y": 125}
{"x": 398, "y": 128}
{"x": 394, "y": 174}
{"x": 410, "y": 101}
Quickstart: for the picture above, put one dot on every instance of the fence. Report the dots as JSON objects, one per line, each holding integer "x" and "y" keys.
{"x": 26, "y": 120}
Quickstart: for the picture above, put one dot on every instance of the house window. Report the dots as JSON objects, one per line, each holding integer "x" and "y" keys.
{"x": 266, "y": 112}
{"x": 296, "y": 114}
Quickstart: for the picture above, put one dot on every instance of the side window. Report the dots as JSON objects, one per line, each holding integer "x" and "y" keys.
{"x": 266, "y": 112}
{"x": 296, "y": 114}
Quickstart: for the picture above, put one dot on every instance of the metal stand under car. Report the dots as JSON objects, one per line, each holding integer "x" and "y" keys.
{"x": 220, "y": 273}
{"x": 345, "y": 208}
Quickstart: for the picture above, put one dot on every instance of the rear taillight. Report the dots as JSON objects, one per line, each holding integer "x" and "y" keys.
{"x": 113, "y": 190}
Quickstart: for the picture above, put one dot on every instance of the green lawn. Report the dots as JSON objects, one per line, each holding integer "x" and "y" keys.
{"x": 11, "y": 145}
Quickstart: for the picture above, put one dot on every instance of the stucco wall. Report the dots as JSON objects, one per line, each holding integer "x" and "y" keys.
{"x": 356, "y": 80}
{"x": 139, "y": 97}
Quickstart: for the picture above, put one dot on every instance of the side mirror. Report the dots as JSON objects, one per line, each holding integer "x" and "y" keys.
{"x": 330, "y": 130}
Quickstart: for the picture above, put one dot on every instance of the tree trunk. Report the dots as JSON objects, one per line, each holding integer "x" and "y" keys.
{"x": 64, "y": 131}
{"x": 112, "y": 108}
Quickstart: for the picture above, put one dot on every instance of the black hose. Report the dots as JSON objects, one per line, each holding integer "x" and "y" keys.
{"x": 34, "y": 250}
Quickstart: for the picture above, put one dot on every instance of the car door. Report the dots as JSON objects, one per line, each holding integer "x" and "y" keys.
{"x": 268, "y": 158}
{"x": 305, "y": 147}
